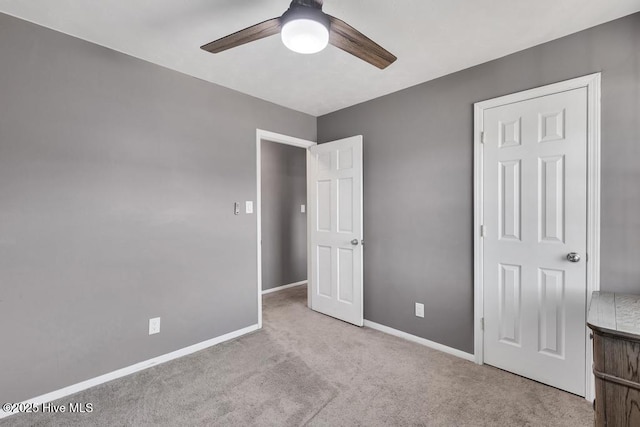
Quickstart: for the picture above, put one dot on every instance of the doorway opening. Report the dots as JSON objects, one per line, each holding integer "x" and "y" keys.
{"x": 281, "y": 207}
{"x": 334, "y": 232}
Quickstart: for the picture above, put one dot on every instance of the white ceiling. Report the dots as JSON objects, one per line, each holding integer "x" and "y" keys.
{"x": 431, "y": 38}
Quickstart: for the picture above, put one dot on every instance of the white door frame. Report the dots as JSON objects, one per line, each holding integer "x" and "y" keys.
{"x": 592, "y": 83}
{"x": 264, "y": 135}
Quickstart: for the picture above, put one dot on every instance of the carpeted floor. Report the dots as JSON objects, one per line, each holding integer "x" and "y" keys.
{"x": 304, "y": 368}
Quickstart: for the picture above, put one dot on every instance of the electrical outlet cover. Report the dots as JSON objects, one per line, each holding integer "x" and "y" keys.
{"x": 154, "y": 326}
{"x": 419, "y": 309}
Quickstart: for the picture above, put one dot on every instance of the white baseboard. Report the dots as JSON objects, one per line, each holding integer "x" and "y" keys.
{"x": 283, "y": 287}
{"x": 75, "y": 388}
{"x": 425, "y": 342}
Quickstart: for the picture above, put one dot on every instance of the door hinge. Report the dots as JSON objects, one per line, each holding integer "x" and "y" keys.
{"x": 482, "y": 137}
{"x": 483, "y": 231}
{"x": 482, "y": 323}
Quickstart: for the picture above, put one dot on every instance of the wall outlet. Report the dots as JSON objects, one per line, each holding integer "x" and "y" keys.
{"x": 248, "y": 205}
{"x": 154, "y": 326}
{"x": 303, "y": 208}
{"x": 419, "y": 309}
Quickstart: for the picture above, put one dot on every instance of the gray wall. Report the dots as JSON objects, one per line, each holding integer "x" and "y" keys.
{"x": 418, "y": 166}
{"x": 117, "y": 183}
{"x": 284, "y": 227}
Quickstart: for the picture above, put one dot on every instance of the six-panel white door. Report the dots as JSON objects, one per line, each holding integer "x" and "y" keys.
{"x": 535, "y": 201}
{"x": 334, "y": 193}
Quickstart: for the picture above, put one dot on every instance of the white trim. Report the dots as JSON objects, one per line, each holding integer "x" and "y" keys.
{"x": 283, "y": 139}
{"x": 264, "y": 135}
{"x": 75, "y": 388}
{"x": 593, "y": 84}
{"x": 593, "y": 216}
{"x": 422, "y": 341}
{"x": 478, "y": 220}
{"x": 309, "y": 166}
{"x": 283, "y": 287}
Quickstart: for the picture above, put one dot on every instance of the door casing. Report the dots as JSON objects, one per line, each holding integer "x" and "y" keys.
{"x": 592, "y": 83}
{"x": 263, "y": 135}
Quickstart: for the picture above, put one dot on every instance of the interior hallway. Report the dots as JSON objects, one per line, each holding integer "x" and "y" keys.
{"x": 304, "y": 368}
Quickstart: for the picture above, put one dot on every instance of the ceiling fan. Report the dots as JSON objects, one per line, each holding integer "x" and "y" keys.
{"x": 305, "y": 28}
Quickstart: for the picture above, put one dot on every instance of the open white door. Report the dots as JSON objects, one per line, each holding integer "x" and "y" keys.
{"x": 334, "y": 193}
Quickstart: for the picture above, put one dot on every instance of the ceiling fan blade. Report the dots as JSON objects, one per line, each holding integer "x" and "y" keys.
{"x": 250, "y": 34}
{"x": 347, "y": 38}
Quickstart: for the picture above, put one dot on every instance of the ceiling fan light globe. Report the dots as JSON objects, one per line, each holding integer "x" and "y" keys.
{"x": 305, "y": 36}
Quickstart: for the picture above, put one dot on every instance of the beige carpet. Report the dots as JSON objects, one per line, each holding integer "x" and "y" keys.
{"x": 304, "y": 368}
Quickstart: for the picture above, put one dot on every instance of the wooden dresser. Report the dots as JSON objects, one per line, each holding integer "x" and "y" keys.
{"x": 615, "y": 322}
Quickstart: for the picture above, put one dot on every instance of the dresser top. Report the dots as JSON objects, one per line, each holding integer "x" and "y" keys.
{"x": 615, "y": 313}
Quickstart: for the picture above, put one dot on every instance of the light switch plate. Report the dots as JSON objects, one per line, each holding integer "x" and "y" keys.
{"x": 419, "y": 309}
{"x": 303, "y": 208}
{"x": 248, "y": 206}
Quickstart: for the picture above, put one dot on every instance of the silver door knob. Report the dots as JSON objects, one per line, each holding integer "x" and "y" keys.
{"x": 573, "y": 257}
{"x": 354, "y": 242}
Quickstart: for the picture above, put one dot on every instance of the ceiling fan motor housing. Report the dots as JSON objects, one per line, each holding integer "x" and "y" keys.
{"x": 308, "y": 3}
{"x": 299, "y": 10}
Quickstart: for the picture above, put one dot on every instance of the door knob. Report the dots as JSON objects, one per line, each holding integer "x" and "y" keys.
{"x": 573, "y": 257}
{"x": 354, "y": 242}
